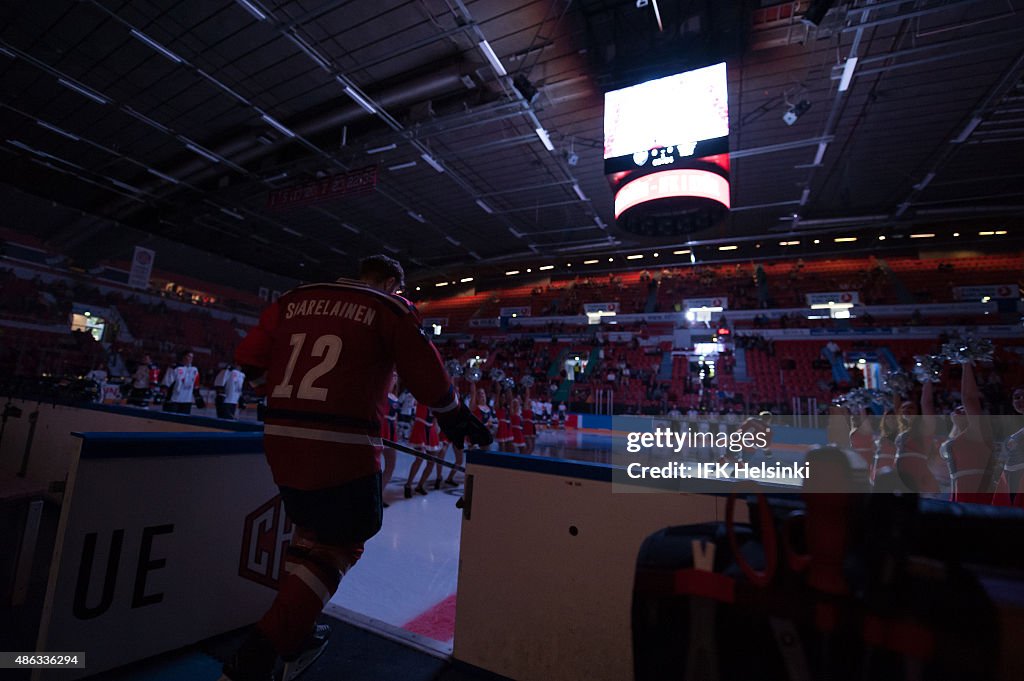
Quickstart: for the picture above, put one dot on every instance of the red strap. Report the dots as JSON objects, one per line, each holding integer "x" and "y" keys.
{"x": 901, "y": 636}
{"x": 757, "y": 578}
{"x": 687, "y": 582}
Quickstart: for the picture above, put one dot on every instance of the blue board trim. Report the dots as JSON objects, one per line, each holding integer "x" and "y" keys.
{"x": 547, "y": 466}
{"x": 602, "y": 472}
{"x": 154, "y": 414}
{"x": 148, "y": 445}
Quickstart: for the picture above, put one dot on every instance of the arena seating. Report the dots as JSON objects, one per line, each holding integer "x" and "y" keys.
{"x": 36, "y": 339}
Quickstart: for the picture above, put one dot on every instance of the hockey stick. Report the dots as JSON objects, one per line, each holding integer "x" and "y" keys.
{"x": 427, "y": 457}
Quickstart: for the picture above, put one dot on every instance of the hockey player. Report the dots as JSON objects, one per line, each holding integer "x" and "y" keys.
{"x": 326, "y": 353}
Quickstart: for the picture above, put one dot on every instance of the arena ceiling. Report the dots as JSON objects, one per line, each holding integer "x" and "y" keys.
{"x": 181, "y": 118}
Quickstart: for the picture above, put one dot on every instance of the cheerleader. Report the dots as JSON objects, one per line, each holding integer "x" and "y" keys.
{"x": 478, "y": 405}
{"x": 915, "y": 443}
{"x": 885, "y": 444}
{"x": 516, "y": 422}
{"x": 434, "y": 446}
{"x": 969, "y": 450}
{"x": 529, "y": 428}
{"x": 418, "y": 440}
{"x": 862, "y": 438}
{"x": 501, "y": 414}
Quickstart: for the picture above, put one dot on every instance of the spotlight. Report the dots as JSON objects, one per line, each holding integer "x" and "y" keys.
{"x": 525, "y": 87}
{"x": 796, "y": 111}
{"x": 573, "y": 158}
{"x": 817, "y": 11}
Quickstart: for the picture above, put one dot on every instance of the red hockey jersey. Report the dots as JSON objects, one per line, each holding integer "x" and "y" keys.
{"x": 329, "y": 351}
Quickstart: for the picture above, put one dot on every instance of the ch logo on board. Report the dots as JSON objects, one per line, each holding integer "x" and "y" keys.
{"x": 265, "y": 537}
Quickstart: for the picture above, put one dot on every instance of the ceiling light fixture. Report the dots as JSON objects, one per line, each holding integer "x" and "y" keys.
{"x": 59, "y": 131}
{"x": 845, "y": 239}
{"x": 968, "y": 129}
{"x": 848, "y": 69}
{"x": 358, "y": 98}
{"x": 590, "y": 262}
{"x": 545, "y": 139}
{"x": 310, "y": 51}
{"x": 82, "y": 90}
{"x": 148, "y": 121}
{"x": 453, "y": 241}
{"x": 511, "y": 272}
{"x": 579, "y": 192}
{"x": 235, "y": 214}
{"x": 253, "y": 9}
{"x": 157, "y": 46}
{"x": 277, "y": 126}
{"x": 683, "y": 252}
{"x": 465, "y": 280}
{"x": 483, "y": 206}
{"x": 289, "y": 230}
{"x": 162, "y": 176}
{"x": 822, "y": 146}
{"x": 416, "y": 216}
{"x": 925, "y": 181}
{"x": 921, "y": 236}
{"x": 441, "y": 283}
{"x": 545, "y": 267}
{"x": 727, "y": 248}
{"x": 634, "y": 257}
{"x": 386, "y": 147}
{"x": 432, "y": 162}
{"x": 488, "y": 51}
{"x": 202, "y": 152}
{"x": 403, "y": 166}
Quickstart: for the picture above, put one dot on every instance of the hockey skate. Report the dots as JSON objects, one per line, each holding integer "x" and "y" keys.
{"x": 312, "y": 649}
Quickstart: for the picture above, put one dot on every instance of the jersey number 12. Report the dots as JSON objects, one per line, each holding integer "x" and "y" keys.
{"x": 328, "y": 347}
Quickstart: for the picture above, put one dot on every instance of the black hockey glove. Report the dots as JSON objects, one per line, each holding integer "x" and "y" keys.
{"x": 459, "y": 424}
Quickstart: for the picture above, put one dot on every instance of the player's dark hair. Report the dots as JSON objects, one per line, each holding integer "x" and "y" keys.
{"x": 380, "y": 268}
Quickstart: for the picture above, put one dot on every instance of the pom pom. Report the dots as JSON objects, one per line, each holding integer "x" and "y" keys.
{"x": 899, "y": 383}
{"x": 474, "y": 375}
{"x": 497, "y": 375}
{"x": 928, "y": 368}
{"x": 508, "y": 382}
{"x": 454, "y": 368}
{"x": 968, "y": 350}
{"x": 526, "y": 381}
{"x": 859, "y": 399}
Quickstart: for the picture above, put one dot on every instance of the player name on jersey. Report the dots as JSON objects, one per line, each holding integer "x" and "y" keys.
{"x": 331, "y": 308}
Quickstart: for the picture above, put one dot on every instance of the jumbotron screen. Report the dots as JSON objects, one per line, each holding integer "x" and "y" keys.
{"x": 658, "y": 122}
